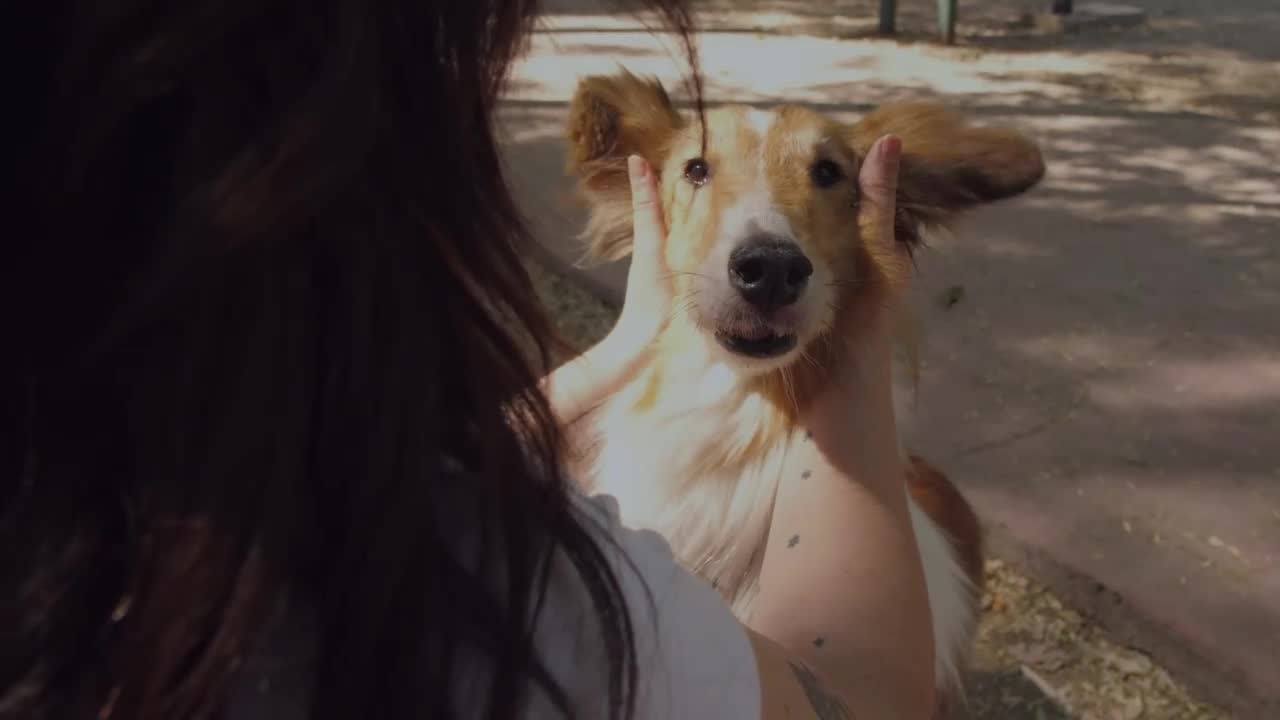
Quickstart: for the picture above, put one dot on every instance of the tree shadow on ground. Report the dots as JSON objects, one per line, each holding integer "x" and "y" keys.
{"x": 1173, "y": 27}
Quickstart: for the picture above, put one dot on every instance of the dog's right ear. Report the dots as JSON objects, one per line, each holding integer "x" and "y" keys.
{"x": 948, "y": 166}
{"x": 610, "y": 118}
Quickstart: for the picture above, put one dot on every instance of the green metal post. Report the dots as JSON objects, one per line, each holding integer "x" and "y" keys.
{"x": 947, "y": 20}
{"x": 888, "y": 16}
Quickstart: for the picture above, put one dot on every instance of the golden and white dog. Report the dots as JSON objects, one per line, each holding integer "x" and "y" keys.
{"x": 770, "y": 270}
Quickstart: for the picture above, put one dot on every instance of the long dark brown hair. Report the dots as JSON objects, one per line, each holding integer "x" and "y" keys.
{"x": 243, "y": 332}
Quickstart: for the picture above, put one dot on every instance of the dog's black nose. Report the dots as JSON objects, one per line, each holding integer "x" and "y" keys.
{"x": 769, "y": 272}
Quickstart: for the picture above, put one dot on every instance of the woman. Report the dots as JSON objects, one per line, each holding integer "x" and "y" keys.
{"x": 271, "y": 447}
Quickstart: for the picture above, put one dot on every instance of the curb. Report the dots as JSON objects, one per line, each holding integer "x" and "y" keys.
{"x": 1086, "y": 17}
{"x": 1204, "y": 676}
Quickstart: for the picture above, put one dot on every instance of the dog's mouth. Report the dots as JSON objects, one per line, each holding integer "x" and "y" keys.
{"x": 759, "y": 343}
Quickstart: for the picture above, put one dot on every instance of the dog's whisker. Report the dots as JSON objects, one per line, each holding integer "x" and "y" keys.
{"x": 789, "y": 389}
{"x": 686, "y": 303}
{"x": 675, "y": 273}
{"x": 804, "y": 355}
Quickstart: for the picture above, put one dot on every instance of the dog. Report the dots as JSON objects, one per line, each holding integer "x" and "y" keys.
{"x": 770, "y": 274}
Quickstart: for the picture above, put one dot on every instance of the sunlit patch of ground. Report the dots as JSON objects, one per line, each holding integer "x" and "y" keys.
{"x": 1224, "y": 62}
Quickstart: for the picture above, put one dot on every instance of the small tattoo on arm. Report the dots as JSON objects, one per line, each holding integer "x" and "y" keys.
{"x": 805, "y": 475}
{"x": 794, "y": 541}
{"x": 819, "y": 641}
{"x": 825, "y": 705}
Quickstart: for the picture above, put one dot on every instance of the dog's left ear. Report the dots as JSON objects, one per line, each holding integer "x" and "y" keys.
{"x": 948, "y": 166}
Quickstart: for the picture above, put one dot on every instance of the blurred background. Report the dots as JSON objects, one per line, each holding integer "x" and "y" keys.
{"x": 1102, "y": 360}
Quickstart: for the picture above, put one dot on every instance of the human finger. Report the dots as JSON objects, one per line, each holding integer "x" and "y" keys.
{"x": 647, "y": 223}
{"x": 878, "y": 184}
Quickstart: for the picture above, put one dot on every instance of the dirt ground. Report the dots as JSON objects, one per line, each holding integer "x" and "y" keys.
{"x": 1106, "y": 388}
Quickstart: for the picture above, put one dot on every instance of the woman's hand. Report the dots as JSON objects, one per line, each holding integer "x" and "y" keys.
{"x": 584, "y": 382}
{"x": 646, "y": 308}
{"x": 877, "y": 187}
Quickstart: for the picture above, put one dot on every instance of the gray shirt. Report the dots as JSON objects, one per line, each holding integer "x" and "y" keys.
{"x": 694, "y": 658}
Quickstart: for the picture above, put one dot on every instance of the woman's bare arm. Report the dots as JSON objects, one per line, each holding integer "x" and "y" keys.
{"x": 581, "y": 384}
{"x": 791, "y": 689}
{"x": 842, "y": 587}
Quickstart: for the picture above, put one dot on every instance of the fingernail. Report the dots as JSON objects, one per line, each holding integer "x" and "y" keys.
{"x": 890, "y": 147}
{"x": 636, "y": 166}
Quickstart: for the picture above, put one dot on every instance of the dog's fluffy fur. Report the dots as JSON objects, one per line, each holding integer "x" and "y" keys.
{"x": 693, "y": 445}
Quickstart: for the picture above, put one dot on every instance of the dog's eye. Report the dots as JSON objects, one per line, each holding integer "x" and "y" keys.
{"x": 696, "y": 171}
{"x": 826, "y": 173}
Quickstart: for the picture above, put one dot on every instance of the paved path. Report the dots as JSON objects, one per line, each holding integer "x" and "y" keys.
{"x": 1108, "y": 389}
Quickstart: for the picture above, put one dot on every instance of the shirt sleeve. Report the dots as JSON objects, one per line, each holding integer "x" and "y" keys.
{"x": 694, "y": 659}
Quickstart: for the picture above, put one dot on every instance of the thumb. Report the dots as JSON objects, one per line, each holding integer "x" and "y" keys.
{"x": 647, "y": 221}
{"x": 878, "y": 182}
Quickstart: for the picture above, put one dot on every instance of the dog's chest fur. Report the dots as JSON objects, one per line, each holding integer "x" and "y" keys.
{"x": 698, "y": 461}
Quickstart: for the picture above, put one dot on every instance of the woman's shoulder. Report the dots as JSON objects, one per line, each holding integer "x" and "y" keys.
{"x": 693, "y": 658}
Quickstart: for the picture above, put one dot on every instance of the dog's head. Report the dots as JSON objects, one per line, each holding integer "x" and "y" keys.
{"x": 763, "y": 236}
